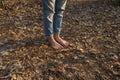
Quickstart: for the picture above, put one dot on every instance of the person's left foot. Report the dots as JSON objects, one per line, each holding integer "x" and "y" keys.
{"x": 61, "y": 41}
{"x": 54, "y": 44}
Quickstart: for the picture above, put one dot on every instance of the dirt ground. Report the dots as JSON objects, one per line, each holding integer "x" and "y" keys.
{"x": 93, "y": 28}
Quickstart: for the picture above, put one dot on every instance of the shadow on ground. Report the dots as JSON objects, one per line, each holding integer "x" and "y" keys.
{"x": 91, "y": 27}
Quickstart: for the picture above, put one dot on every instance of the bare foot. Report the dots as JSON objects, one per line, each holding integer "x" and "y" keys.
{"x": 55, "y": 45}
{"x": 61, "y": 41}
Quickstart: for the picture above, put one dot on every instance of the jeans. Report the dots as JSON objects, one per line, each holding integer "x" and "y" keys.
{"x": 52, "y": 16}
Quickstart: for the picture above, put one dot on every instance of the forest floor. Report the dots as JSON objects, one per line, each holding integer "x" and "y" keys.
{"x": 93, "y": 28}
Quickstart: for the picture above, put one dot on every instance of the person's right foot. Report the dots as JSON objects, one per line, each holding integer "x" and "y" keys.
{"x": 55, "y": 45}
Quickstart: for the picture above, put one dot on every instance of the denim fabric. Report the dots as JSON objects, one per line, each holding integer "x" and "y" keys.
{"x": 53, "y": 14}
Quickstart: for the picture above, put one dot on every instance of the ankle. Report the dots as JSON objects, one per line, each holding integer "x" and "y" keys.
{"x": 56, "y": 35}
{"x": 51, "y": 39}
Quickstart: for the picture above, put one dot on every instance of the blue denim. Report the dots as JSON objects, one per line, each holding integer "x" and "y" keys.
{"x": 52, "y": 16}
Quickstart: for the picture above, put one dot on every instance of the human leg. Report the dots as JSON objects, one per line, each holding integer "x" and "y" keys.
{"x": 58, "y": 15}
{"x": 48, "y": 12}
{"x": 57, "y": 21}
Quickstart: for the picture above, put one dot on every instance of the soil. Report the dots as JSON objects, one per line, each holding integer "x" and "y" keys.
{"x": 92, "y": 28}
